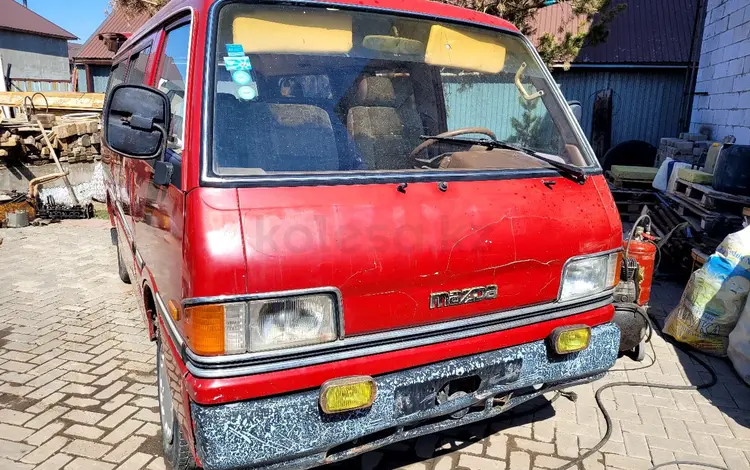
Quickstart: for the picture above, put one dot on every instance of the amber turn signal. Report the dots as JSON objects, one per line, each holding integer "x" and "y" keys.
{"x": 570, "y": 339}
{"x": 174, "y": 310}
{"x": 204, "y": 329}
{"x": 347, "y": 394}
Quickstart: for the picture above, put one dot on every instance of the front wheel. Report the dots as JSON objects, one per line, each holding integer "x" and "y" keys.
{"x": 177, "y": 454}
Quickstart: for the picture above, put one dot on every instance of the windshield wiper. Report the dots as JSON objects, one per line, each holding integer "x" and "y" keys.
{"x": 575, "y": 173}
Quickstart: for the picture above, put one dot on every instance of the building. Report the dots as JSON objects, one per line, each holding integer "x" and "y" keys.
{"x": 94, "y": 61}
{"x": 647, "y": 63}
{"x": 73, "y": 50}
{"x": 34, "y": 51}
{"x": 722, "y": 101}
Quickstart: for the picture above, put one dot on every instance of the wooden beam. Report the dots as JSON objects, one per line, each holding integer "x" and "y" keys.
{"x": 63, "y": 100}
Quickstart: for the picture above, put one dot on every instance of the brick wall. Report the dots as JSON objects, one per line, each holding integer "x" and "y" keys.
{"x": 724, "y": 72}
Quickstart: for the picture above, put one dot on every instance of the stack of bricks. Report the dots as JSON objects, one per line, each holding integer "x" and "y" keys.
{"x": 688, "y": 148}
{"x": 77, "y": 141}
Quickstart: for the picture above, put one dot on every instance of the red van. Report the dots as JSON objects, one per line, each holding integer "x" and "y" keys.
{"x": 351, "y": 223}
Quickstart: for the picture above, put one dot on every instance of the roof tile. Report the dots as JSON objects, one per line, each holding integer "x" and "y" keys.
{"x": 116, "y": 22}
{"x": 16, "y": 17}
{"x": 647, "y": 31}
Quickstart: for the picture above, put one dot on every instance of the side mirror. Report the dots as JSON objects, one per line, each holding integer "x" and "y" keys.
{"x": 135, "y": 121}
{"x": 577, "y": 109}
{"x": 163, "y": 173}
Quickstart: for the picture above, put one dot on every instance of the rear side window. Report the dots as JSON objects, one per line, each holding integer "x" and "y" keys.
{"x": 172, "y": 80}
{"x": 139, "y": 61}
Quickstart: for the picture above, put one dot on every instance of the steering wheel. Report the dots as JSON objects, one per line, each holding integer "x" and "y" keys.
{"x": 466, "y": 130}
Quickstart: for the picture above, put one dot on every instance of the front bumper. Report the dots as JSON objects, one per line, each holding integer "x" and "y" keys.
{"x": 290, "y": 431}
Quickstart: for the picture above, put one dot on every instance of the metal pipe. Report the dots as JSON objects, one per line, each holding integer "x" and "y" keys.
{"x": 43, "y": 179}
{"x": 688, "y": 90}
{"x": 71, "y": 193}
{"x": 620, "y": 66}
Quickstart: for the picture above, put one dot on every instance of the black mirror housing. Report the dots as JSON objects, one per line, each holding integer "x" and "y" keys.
{"x": 163, "y": 173}
{"x": 136, "y": 121}
{"x": 577, "y": 109}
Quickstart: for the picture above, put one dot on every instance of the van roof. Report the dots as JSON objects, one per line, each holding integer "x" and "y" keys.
{"x": 431, "y": 8}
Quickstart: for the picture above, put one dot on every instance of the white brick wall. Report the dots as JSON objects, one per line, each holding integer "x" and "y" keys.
{"x": 725, "y": 71}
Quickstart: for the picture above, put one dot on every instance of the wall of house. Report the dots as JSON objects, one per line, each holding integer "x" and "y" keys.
{"x": 722, "y": 101}
{"x": 34, "y": 58}
{"x": 646, "y": 102}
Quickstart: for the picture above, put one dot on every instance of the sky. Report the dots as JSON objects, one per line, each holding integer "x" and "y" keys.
{"x": 80, "y": 17}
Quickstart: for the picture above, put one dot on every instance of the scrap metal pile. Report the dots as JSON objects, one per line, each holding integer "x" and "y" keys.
{"x": 37, "y": 138}
{"x": 690, "y": 216}
{"x": 677, "y": 239}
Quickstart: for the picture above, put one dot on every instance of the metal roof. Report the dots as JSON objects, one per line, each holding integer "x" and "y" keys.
{"x": 116, "y": 22}
{"x": 73, "y": 49}
{"x": 16, "y": 17}
{"x": 646, "y": 32}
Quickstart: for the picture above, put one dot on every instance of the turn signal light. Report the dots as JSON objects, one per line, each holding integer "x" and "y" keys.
{"x": 347, "y": 394}
{"x": 174, "y": 310}
{"x": 570, "y": 339}
{"x": 204, "y": 329}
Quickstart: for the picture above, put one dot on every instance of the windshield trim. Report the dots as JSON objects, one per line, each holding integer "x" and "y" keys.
{"x": 208, "y": 178}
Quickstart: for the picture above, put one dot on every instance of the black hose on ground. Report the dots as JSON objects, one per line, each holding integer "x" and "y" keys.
{"x": 688, "y": 462}
{"x": 608, "y": 418}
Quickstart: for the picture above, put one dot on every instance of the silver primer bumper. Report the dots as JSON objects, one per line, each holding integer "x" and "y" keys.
{"x": 290, "y": 431}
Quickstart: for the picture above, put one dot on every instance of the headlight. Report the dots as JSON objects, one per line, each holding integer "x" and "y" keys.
{"x": 297, "y": 321}
{"x": 587, "y": 276}
{"x": 260, "y": 325}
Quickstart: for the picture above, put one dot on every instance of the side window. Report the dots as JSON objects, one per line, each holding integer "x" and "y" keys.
{"x": 117, "y": 75}
{"x": 138, "y": 61}
{"x": 172, "y": 79}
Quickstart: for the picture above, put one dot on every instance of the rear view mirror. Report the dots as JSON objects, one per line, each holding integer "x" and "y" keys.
{"x": 135, "y": 121}
{"x": 163, "y": 173}
{"x": 577, "y": 109}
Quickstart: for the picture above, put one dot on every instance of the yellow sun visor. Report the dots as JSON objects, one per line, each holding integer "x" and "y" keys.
{"x": 465, "y": 50}
{"x": 309, "y": 32}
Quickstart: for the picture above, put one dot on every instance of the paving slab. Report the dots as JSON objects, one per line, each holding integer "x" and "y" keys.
{"x": 77, "y": 383}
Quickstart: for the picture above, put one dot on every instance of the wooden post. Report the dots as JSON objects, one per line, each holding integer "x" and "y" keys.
{"x": 89, "y": 80}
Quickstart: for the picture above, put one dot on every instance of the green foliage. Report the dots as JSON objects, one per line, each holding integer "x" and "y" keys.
{"x": 527, "y": 128}
{"x": 532, "y": 130}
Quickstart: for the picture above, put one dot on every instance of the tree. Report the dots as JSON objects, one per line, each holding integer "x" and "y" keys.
{"x": 592, "y": 17}
{"x": 533, "y": 129}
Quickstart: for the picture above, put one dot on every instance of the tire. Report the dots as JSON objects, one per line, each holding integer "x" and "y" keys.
{"x": 177, "y": 455}
{"x": 124, "y": 276}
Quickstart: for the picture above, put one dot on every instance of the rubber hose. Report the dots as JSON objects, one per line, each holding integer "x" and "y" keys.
{"x": 688, "y": 462}
{"x": 632, "y": 232}
{"x": 608, "y": 418}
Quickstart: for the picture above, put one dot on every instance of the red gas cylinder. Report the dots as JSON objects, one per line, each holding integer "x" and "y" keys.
{"x": 645, "y": 254}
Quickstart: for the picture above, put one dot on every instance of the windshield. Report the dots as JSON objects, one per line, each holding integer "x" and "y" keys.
{"x": 312, "y": 89}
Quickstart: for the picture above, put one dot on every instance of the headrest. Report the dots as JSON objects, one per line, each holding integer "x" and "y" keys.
{"x": 300, "y": 115}
{"x": 383, "y": 91}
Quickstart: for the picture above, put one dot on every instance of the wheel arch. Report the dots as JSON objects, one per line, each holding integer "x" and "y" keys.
{"x": 149, "y": 307}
